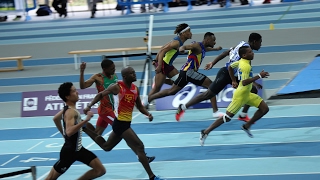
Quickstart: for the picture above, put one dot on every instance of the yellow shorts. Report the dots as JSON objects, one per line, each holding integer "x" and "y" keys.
{"x": 239, "y": 100}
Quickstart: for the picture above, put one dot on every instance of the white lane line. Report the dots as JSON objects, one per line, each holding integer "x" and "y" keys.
{"x": 35, "y": 146}
{"x": 10, "y": 160}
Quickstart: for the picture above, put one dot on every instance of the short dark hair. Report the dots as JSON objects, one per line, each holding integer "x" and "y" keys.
{"x": 180, "y": 27}
{"x": 106, "y": 63}
{"x": 243, "y": 50}
{"x": 208, "y": 34}
{"x": 254, "y": 37}
{"x": 64, "y": 90}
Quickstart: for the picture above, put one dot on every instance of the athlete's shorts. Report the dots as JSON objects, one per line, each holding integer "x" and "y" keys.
{"x": 222, "y": 79}
{"x": 68, "y": 157}
{"x": 238, "y": 100}
{"x": 105, "y": 119}
{"x": 190, "y": 76}
{"x": 119, "y": 127}
{"x": 166, "y": 68}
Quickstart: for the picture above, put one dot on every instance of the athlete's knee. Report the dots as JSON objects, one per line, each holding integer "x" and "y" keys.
{"x": 207, "y": 95}
{"x": 226, "y": 118}
{"x": 264, "y": 108}
{"x": 99, "y": 171}
{"x": 106, "y": 147}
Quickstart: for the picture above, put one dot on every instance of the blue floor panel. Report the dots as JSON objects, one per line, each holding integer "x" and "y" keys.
{"x": 307, "y": 79}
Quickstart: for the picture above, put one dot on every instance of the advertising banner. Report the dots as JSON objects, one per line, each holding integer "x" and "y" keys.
{"x": 190, "y": 91}
{"x": 48, "y": 103}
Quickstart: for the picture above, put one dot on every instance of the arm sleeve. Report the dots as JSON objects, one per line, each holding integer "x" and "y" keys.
{"x": 235, "y": 64}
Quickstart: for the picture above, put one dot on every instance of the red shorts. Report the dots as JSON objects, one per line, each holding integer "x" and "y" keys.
{"x": 105, "y": 119}
{"x": 166, "y": 68}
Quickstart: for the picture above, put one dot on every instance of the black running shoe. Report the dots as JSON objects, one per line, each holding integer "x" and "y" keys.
{"x": 151, "y": 158}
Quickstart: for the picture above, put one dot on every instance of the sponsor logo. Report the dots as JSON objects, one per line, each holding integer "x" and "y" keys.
{"x": 30, "y": 104}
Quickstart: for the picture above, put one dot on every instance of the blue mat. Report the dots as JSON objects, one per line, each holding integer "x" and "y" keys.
{"x": 307, "y": 79}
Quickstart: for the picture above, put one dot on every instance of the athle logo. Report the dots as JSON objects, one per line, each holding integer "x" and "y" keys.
{"x": 63, "y": 169}
{"x": 30, "y": 104}
{"x": 129, "y": 98}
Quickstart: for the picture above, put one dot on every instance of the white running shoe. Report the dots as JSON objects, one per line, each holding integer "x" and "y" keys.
{"x": 203, "y": 137}
{"x": 217, "y": 114}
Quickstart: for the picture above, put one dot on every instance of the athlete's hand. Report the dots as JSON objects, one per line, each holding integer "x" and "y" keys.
{"x": 83, "y": 66}
{"x": 234, "y": 84}
{"x": 219, "y": 48}
{"x": 89, "y": 115}
{"x": 158, "y": 69}
{"x": 182, "y": 50}
{"x": 264, "y": 74}
{"x": 150, "y": 117}
{"x": 208, "y": 66}
{"x": 86, "y": 110}
{"x": 154, "y": 62}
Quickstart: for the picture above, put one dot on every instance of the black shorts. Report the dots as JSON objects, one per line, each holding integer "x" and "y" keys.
{"x": 222, "y": 80}
{"x": 119, "y": 127}
{"x": 190, "y": 76}
{"x": 68, "y": 157}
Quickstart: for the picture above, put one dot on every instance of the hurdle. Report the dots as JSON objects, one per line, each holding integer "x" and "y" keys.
{"x": 31, "y": 170}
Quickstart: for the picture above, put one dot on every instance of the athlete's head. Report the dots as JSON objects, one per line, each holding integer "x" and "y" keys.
{"x": 246, "y": 52}
{"x": 108, "y": 66}
{"x": 183, "y": 30}
{"x": 255, "y": 41}
{"x": 128, "y": 74}
{"x": 209, "y": 40}
{"x": 67, "y": 92}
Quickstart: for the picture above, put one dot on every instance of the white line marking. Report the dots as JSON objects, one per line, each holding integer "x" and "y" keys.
{"x": 201, "y": 160}
{"x": 35, "y": 146}
{"x": 227, "y": 131}
{"x": 10, "y": 160}
{"x": 44, "y": 175}
{"x": 189, "y": 111}
{"x": 211, "y": 144}
{"x": 55, "y": 134}
{"x": 233, "y": 175}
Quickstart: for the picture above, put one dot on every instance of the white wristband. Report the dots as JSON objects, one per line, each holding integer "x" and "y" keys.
{"x": 259, "y": 76}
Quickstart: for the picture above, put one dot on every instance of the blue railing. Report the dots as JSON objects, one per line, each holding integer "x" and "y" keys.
{"x": 30, "y": 8}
